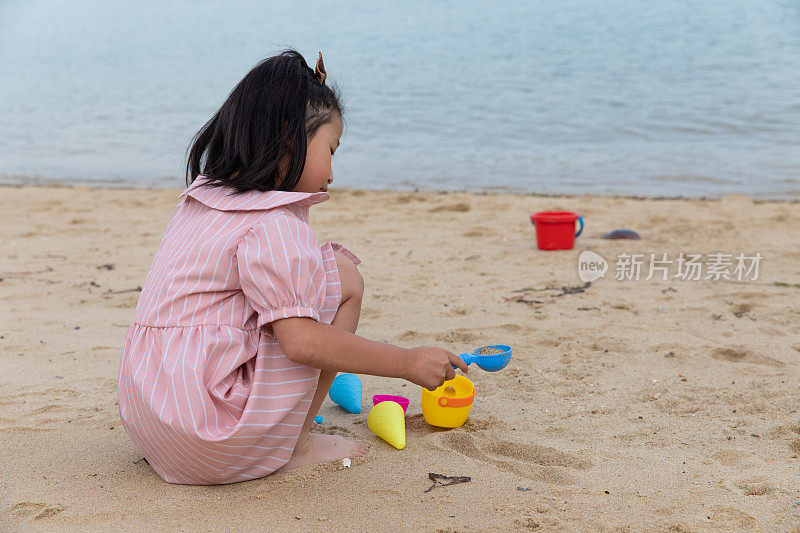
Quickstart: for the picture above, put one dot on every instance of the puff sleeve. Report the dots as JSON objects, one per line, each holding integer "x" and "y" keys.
{"x": 281, "y": 270}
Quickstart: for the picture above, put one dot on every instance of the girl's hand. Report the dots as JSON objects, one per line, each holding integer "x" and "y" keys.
{"x": 430, "y": 367}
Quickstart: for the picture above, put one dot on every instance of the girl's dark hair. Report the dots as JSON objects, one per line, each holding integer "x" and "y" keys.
{"x": 271, "y": 113}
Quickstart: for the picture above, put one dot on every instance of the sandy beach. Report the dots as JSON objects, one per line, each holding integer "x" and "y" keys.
{"x": 629, "y": 405}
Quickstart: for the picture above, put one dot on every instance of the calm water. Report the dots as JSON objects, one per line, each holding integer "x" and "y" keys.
{"x": 568, "y": 96}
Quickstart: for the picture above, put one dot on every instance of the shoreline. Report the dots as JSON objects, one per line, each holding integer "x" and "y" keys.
{"x": 350, "y": 190}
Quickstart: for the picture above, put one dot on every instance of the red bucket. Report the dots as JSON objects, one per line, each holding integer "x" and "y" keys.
{"x": 555, "y": 230}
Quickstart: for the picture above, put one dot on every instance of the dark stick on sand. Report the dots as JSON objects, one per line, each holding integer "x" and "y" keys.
{"x": 438, "y": 480}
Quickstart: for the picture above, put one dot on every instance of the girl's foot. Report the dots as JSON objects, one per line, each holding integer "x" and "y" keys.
{"x": 319, "y": 448}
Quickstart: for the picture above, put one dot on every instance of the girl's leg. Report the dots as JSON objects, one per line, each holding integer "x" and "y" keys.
{"x": 313, "y": 447}
{"x": 346, "y": 318}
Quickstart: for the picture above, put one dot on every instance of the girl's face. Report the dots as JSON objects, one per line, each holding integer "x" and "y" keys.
{"x": 317, "y": 173}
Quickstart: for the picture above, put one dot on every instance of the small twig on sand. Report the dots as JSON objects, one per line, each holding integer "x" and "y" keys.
{"x": 522, "y": 300}
{"x": 526, "y": 289}
{"x": 762, "y": 283}
{"x": 438, "y": 480}
{"x": 564, "y": 291}
{"x": 26, "y": 272}
{"x": 137, "y": 289}
{"x": 573, "y": 290}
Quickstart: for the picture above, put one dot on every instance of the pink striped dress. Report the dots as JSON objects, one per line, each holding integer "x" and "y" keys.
{"x": 205, "y": 392}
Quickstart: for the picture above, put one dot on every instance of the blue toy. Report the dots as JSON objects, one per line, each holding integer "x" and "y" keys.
{"x": 489, "y": 362}
{"x": 346, "y": 391}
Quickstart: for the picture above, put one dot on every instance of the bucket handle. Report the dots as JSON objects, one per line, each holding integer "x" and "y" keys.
{"x": 580, "y": 230}
{"x": 445, "y": 401}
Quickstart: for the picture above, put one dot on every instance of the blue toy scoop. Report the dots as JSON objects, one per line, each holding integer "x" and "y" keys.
{"x": 496, "y": 359}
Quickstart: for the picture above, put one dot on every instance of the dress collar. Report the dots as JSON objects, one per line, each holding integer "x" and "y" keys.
{"x": 221, "y": 198}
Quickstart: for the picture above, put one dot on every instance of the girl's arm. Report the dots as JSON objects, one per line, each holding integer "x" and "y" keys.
{"x": 320, "y": 345}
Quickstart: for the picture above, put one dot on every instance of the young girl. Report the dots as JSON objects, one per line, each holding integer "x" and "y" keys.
{"x": 244, "y": 320}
